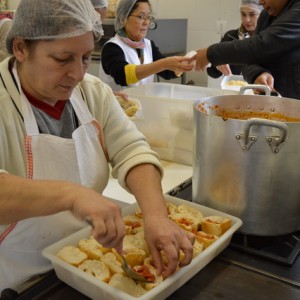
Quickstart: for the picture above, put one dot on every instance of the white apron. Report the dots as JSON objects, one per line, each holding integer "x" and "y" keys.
{"x": 82, "y": 159}
{"x": 132, "y": 58}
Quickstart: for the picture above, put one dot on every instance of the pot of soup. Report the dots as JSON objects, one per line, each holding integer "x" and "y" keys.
{"x": 247, "y": 160}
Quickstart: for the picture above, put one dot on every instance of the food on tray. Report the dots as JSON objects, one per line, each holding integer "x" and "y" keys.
{"x": 236, "y": 82}
{"x": 205, "y": 238}
{"x": 113, "y": 264}
{"x": 127, "y": 285}
{"x": 133, "y": 224}
{"x": 215, "y": 225}
{"x": 149, "y": 271}
{"x": 91, "y": 247}
{"x": 92, "y": 258}
{"x": 96, "y": 268}
{"x": 198, "y": 247}
{"x": 187, "y": 217}
{"x": 129, "y": 106}
{"x": 72, "y": 255}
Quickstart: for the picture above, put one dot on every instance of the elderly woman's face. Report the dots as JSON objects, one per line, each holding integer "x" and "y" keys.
{"x": 136, "y": 27}
{"x": 273, "y": 7}
{"x": 51, "y": 69}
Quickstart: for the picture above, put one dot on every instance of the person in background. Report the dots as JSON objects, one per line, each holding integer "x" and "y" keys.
{"x": 5, "y": 23}
{"x": 100, "y": 7}
{"x": 272, "y": 54}
{"x": 60, "y": 130}
{"x": 129, "y": 58}
{"x": 249, "y": 10}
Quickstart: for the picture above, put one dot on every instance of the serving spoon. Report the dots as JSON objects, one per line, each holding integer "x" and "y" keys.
{"x": 125, "y": 266}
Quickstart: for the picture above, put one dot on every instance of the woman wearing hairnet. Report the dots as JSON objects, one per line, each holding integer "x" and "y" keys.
{"x": 100, "y": 7}
{"x": 272, "y": 55}
{"x": 60, "y": 130}
{"x": 129, "y": 59}
{"x": 249, "y": 11}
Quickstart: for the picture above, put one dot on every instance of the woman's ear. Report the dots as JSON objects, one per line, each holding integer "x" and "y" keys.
{"x": 20, "y": 49}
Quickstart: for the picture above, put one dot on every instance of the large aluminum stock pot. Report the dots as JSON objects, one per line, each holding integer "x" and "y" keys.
{"x": 247, "y": 160}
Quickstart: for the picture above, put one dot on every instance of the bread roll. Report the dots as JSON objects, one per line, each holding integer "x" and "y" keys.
{"x": 133, "y": 224}
{"x": 135, "y": 256}
{"x": 91, "y": 247}
{"x": 127, "y": 285}
{"x": 183, "y": 208}
{"x": 198, "y": 247}
{"x": 205, "y": 238}
{"x": 186, "y": 221}
{"x": 96, "y": 268}
{"x": 113, "y": 264}
{"x": 172, "y": 208}
{"x": 133, "y": 241}
{"x": 72, "y": 255}
{"x": 129, "y": 106}
{"x": 215, "y": 225}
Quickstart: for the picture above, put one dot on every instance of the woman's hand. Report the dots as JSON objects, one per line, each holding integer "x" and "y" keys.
{"x": 165, "y": 238}
{"x": 178, "y": 64}
{"x": 108, "y": 224}
{"x": 265, "y": 79}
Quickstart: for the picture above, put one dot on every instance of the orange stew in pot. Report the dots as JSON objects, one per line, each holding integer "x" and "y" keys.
{"x": 244, "y": 115}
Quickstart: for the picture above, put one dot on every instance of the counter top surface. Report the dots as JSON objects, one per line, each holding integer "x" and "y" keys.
{"x": 174, "y": 174}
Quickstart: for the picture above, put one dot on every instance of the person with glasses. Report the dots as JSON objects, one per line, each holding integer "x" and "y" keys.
{"x": 62, "y": 134}
{"x": 129, "y": 58}
{"x": 249, "y": 10}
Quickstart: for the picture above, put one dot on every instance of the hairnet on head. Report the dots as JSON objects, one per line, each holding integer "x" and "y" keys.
{"x": 253, "y": 3}
{"x": 53, "y": 19}
{"x": 123, "y": 10}
{"x": 99, "y": 3}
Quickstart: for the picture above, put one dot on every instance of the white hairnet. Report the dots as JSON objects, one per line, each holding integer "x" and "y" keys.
{"x": 254, "y": 3}
{"x": 99, "y": 3}
{"x": 123, "y": 10}
{"x": 53, "y": 19}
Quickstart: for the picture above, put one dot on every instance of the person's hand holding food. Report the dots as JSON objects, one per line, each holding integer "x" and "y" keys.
{"x": 165, "y": 239}
{"x": 178, "y": 64}
{"x": 106, "y": 217}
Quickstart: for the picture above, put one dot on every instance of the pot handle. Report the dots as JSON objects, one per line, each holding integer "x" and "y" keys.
{"x": 263, "y": 87}
{"x": 274, "y": 142}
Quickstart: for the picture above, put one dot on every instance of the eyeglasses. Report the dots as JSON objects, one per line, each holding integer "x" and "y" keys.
{"x": 143, "y": 18}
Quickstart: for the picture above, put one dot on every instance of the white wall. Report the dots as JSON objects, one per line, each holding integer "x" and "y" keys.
{"x": 13, "y": 4}
{"x": 202, "y": 17}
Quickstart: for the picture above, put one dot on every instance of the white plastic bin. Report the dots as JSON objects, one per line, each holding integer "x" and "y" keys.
{"x": 167, "y": 119}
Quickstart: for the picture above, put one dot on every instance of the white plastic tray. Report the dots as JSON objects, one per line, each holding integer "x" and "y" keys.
{"x": 167, "y": 121}
{"x": 226, "y": 79}
{"x": 95, "y": 289}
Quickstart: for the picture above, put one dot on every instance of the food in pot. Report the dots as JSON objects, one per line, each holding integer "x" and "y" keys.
{"x": 91, "y": 257}
{"x": 243, "y": 114}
